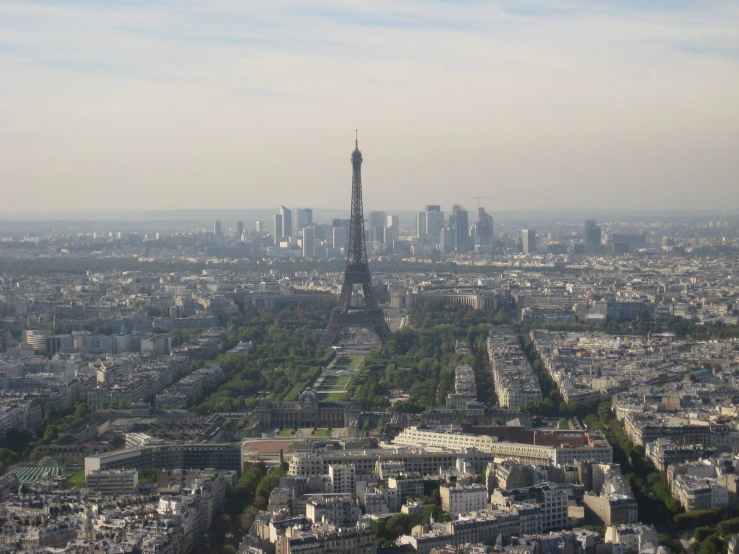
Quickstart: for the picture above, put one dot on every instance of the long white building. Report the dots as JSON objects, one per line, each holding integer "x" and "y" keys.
{"x": 598, "y": 450}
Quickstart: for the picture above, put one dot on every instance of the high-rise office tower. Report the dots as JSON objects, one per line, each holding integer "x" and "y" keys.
{"x": 434, "y": 220}
{"x": 336, "y": 222}
{"x": 392, "y": 230}
{"x": 420, "y": 224}
{"x": 322, "y": 232}
{"x": 303, "y": 218}
{"x": 378, "y": 233}
{"x": 339, "y": 237}
{"x": 528, "y": 241}
{"x": 592, "y": 233}
{"x": 260, "y": 227}
{"x": 377, "y": 219}
{"x": 484, "y": 228}
{"x": 453, "y": 216}
{"x": 278, "y": 229}
{"x": 287, "y": 222}
{"x": 217, "y": 230}
{"x": 446, "y": 241}
{"x": 309, "y": 245}
{"x": 462, "y": 230}
{"x": 239, "y": 229}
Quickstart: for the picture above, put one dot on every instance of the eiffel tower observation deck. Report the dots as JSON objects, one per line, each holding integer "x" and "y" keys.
{"x": 357, "y": 272}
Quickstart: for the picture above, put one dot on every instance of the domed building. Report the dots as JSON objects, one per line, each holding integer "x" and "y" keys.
{"x": 307, "y": 412}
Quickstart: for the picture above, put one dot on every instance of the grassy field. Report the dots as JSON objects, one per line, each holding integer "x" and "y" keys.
{"x": 336, "y": 382}
{"x": 349, "y": 362}
{"x": 335, "y": 396}
{"x": 286, "y": 432}
{"x": 77, "y": 479}
{"x": 320, "y": 432}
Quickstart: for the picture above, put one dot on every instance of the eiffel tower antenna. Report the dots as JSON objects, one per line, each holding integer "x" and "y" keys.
{"x": 369, "y": 316}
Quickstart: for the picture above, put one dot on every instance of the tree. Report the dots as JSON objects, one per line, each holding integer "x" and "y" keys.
{"x": 399, "y": 524}
{"x": 81, "y": 409}
{"x": 440, "y": 516}
{"x": 247, "y": 518}
{"x": 728, "y": 527}
{"x": 712, "y": 545}
{"x": 8, "y": 457}
{"x": 51, "y": 433}
{"x": 604, "y": 411}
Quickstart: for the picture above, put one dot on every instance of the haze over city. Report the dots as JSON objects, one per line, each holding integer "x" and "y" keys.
{"x": 219, "y": 104}
{"x": 331, "y": 277}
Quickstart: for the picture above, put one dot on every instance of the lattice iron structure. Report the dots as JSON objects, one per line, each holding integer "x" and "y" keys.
{"x": 369, "y": 316}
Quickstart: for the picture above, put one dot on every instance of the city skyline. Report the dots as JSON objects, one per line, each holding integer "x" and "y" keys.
{"x": 578, "y": 105}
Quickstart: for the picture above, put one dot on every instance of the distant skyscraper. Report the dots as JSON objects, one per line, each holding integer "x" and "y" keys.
{"x": 420, "y": 224}
{"x": 592, "y": 233}
{"x": 377, "y": 219}
{"x": 303, "y": 218}
{"x": 217, "y": 230}
{"x": 339, "y": 237}
{"x": 287, "y": 222}
{"x": 528, "y": 240}
{"x": 434, "y": 220}
{"x": 378, "y": 234}
{"x": 484, "y": 228}
{"x": 260, "y": 226}
{"x": 336, "y": 222}
{"x": 446, "y": 241}
{"x": 392, "y": 230}
{"x": 239, "y": 229}
{"x": 278, "y": 229}
{"x": 462, "y": 229}
{"x": 309, "y": 246}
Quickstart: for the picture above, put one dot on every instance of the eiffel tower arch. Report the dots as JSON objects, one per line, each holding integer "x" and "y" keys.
{"x": 370, "y": 316}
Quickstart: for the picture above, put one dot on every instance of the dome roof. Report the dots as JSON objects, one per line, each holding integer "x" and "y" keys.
{"x": 48, "y": 461}
{"x": 307, "y": 397}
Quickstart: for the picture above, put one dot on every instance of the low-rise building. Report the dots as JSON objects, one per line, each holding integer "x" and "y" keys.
{"x": 120, "y": 481}
{"x": 339, "y": 510}
{"x": 463, "y": 499}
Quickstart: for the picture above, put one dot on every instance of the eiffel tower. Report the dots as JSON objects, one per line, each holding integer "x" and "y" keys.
{"x": 369, "y": 316}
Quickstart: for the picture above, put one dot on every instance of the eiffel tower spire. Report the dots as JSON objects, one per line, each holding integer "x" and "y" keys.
{"x": 357, "y": 272}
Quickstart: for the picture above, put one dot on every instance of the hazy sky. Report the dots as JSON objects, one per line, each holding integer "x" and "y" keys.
{"x": 235, "y": 103}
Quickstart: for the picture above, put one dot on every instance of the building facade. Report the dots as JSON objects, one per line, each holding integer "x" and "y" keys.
{"x": 307, "y": 412}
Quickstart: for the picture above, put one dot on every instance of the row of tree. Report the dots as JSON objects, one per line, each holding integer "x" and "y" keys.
{"x": 281, "y": 367}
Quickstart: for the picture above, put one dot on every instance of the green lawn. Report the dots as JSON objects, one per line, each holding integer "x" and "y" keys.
{"x": 77, "y": 479}
{"x": 320, "y": 432}
{"x": 336, "y": 382}
{"x": 334, "y": 396}
{"x": 349, "y": 362}
{"x": 286, "y": 432}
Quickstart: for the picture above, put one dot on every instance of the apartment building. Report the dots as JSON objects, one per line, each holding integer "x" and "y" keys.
{"x": 463, "y": 499}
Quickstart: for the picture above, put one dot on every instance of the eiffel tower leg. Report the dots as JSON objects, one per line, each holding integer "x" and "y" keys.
{"x": 329, "y": 336}
{"x": 383, "y": 332}
{"x": 380, "y": 328}
{"x": 369, "y": 296}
